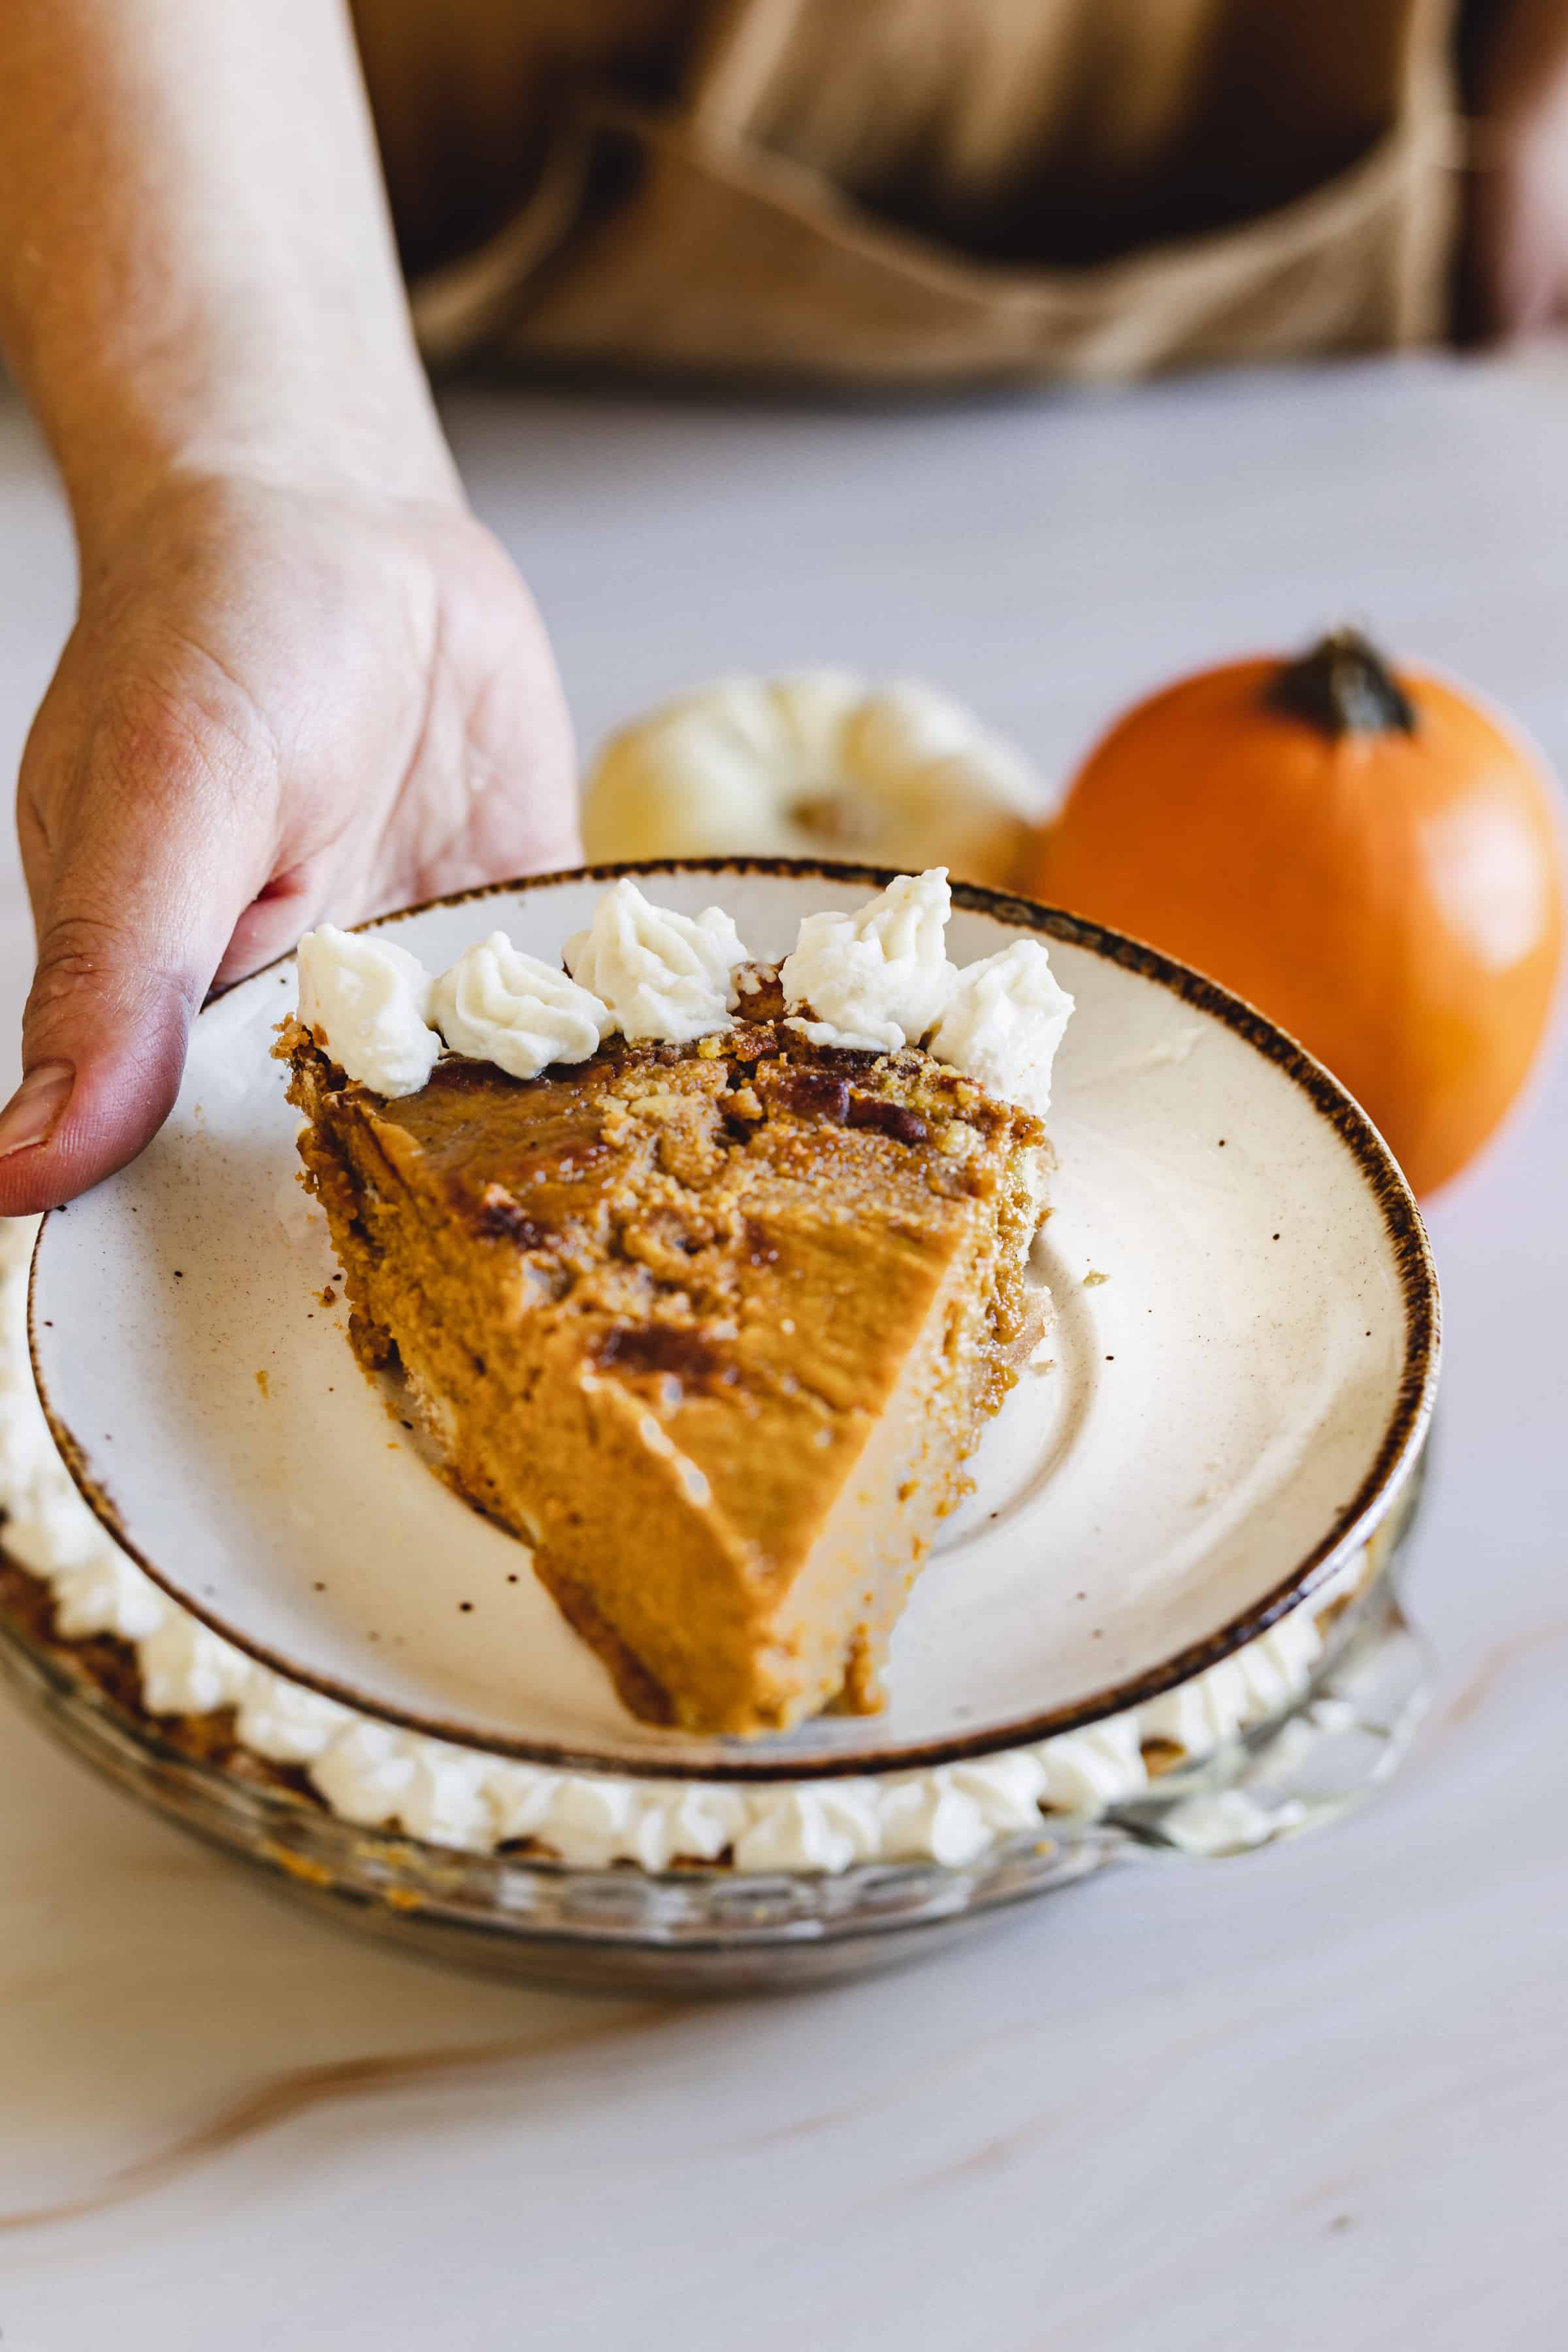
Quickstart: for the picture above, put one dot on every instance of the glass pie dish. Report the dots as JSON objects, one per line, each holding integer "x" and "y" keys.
{"x": 1337, "y": 1725}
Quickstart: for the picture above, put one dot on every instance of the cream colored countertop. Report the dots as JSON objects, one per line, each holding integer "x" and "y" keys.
{"x": 1315, "y": 2096}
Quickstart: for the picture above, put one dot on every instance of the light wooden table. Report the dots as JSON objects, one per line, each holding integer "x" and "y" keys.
{"x": 1318, "y": 2098}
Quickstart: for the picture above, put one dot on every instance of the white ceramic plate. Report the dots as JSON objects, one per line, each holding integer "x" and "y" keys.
{"x": 1245, "y": 1355}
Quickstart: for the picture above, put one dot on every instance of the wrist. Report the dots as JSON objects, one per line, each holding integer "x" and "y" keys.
{"x": 248, "y": 372}
{"x": 196, "y": 462}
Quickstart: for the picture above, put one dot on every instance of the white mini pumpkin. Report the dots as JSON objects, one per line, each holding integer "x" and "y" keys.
{"x": 820, "y": 765}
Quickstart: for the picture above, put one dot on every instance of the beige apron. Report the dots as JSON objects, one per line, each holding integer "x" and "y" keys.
{"x": 909, "y": 193}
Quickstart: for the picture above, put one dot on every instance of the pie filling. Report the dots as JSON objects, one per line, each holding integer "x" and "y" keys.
{"x": 712, "y": 1327}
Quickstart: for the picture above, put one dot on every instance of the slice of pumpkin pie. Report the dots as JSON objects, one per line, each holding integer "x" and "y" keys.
{"x": 704, "y": 1275}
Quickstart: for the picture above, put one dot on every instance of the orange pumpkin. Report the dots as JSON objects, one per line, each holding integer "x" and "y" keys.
{"x": 1371, "y": 859}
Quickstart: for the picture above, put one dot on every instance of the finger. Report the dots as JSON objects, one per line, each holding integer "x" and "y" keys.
{"x": 1513, "y": 251}
{"x": 1506, "y": 262}
{"x": 159, "y": 857}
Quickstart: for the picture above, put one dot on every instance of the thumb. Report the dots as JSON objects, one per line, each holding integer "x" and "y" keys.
{"x": 132, "y": 924}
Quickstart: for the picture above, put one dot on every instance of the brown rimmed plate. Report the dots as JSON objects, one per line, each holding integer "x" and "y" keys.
{"x": 1247, "y": 1352}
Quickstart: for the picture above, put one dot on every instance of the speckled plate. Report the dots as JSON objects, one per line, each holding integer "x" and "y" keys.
{"x": 1246, "y": 1350}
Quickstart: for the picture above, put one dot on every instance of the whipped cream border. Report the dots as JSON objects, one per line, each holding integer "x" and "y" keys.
{"x": 877, "y": 979}
{"x": 369, "y": 1772}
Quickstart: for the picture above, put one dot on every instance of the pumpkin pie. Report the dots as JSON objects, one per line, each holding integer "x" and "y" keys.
{"x": 712, "y": 1325}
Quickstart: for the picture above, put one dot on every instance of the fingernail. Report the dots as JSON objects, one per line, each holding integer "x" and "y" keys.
{"x": 33, "y": 1113}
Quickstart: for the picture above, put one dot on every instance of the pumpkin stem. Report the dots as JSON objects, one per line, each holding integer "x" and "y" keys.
{"x": 1343, "y": 687}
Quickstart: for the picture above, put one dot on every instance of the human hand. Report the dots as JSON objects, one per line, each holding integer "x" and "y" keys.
{"x": 276, "y": 705}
